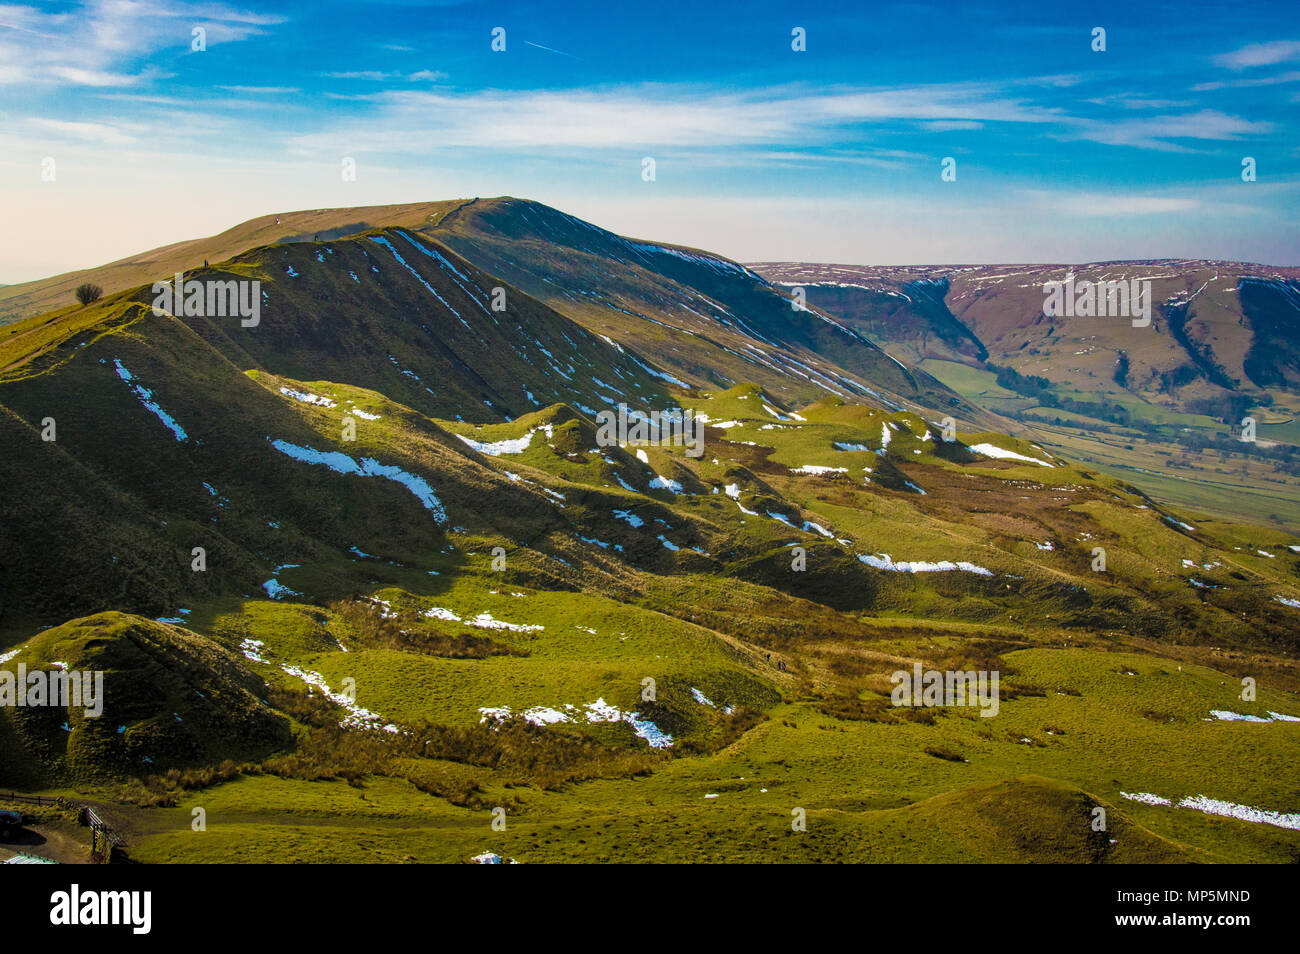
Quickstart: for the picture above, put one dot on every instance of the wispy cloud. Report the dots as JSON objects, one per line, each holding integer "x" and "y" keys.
{"x": 260, "y": 90}
{"x": 1166, "y": 133}
{"x": 380, "y": 76}
{"x": 98, "y": 44}
{"x": 951, "y": 125}
{"x": 1109, "y": 204}
{"x": 1260, "y": 54}
{"x": 1129, "y": 101}
{"x": 372, "y": 75}
{"x": 1292, "y": 76}
{"x": 101, "y": 133}
{"x": 78, "y": 76}
{"x": 662, "y": 116}
{"x": 688, "y": 117}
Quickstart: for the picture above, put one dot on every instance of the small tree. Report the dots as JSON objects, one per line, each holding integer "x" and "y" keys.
{"x": 88, "y": 292}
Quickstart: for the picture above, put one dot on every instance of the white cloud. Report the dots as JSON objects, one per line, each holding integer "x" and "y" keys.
{"x": 951, "y": 125}
{"x": 1260, "y": 54}
{"x": 656, "y": 116}
{"x": 1157, "y": 132}
{"x": 76, "y": 76}
{"x": 1108, "y": 204}
{"x": 101, "y": 133}
{"x": 1129, "y": 101}
{"x": 1290, "y": 77}
{"x": 373, "y": 75}
{"x": 793, "y": 119}
{"x": 260, "y": 90}
{"x": 382, "y": 75}
{"x": 100, "y": 43}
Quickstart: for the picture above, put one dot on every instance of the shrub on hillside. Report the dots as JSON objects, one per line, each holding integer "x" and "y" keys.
{"x": 88, "y": 292}
{"x": 948, "y": 755}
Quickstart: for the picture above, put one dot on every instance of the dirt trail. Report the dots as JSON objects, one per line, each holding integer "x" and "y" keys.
{"x": 63, "y": 843}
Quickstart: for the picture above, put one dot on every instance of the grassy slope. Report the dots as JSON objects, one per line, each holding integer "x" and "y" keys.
{"x": 1109, "y": 678}
{"x": 870, "y": 789}
{"x": 33, "y": 298}
{"x": 170, "y": 697}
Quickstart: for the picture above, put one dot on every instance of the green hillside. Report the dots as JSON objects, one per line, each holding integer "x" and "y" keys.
{"x": 364, "y": 573}
{"x": 172, "y": 698}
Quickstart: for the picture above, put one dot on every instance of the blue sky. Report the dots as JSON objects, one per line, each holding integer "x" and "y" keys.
{"x": 1062, "y": 153}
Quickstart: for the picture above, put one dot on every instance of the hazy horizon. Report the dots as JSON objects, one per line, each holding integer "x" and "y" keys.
{"x": 743, "y": 261}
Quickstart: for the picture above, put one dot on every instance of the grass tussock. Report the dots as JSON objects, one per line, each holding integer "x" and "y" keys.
{"x": 948, "y": 755}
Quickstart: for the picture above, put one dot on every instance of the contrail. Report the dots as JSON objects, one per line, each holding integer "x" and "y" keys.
{"x": 547, "y": 48}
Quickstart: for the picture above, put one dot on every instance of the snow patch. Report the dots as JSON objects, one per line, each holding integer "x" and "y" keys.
{"x": 598, "y": 711}
{"x": 368, "y": 467}
{"x": 306, "y": 397}
{"x": 818, "y": 470}
{"x": 145, "y": 396}
{"x": 992, "y": 450}
{"x": 515, "y": 445}
{"x": 1224, "y": 715}
{"x": 884, "y": 561}
{"x": 1214, "y": 806}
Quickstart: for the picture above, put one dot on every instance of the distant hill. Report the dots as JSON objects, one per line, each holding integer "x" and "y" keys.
{"x": 1217, "y": 328}
{"x": 1163, "y": 404}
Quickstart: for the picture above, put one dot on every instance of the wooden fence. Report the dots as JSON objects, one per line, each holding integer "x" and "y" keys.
{"x": 104, "y": 839}
{"x": 29, "y": 799}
